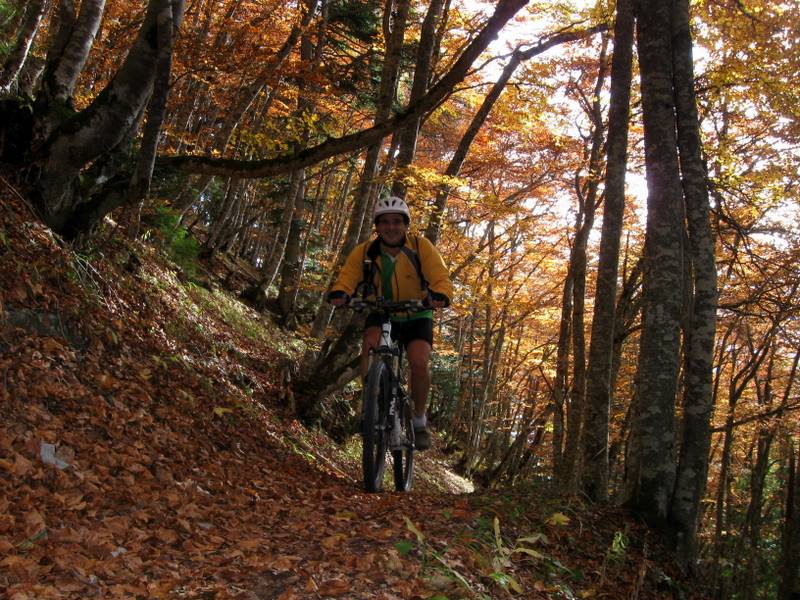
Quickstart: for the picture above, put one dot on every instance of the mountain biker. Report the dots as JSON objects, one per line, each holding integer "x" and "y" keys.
{"x": 403, "y": 268}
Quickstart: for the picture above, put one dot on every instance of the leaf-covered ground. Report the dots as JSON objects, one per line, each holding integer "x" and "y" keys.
{"x": 146, "y": 451}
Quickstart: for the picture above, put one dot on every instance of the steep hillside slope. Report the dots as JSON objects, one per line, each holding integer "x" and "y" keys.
{"x": 146, "y": 451}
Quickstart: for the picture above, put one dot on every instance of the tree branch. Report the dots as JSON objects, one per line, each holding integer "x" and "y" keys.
{"x": 226, "y": 167}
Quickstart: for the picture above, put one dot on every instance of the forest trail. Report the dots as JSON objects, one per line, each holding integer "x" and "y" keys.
{"x": 146, "y": 452}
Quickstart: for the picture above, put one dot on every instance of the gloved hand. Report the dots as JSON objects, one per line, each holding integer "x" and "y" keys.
{"x": 437, "y": 300}
{"x": 338, "y": 297}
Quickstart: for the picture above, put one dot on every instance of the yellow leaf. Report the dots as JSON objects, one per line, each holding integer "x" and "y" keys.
{"x": 514, "y": 584}
{"x": 529, "y": 552}
{"x": 558, "y": 519}
{"x": 413, "y": 529}
{"x": 221, "y": 412}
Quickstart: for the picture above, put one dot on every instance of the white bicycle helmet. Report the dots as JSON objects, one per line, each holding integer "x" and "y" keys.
{"x": 391, "y": 205}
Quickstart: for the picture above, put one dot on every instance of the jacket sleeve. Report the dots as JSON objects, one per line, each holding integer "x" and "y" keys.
{"x": 434, "y": 269}
{"x": 350, "y": 275}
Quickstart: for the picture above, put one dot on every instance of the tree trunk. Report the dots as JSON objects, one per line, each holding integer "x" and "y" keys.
{"x": 168, "y": 18}
{"x": 651, "y": 463}
{"x": 422, "y": 76}
{"x": 561, "y": 382}
{"x": 272, "y": 266}
{"x": 94, "y": 133}
{"x": 586, "y": 192}
{"x": 601, "y": 349}
{"x": 34, "y": 10}
{"x": 790, "y": 551}
{"x": 698, "y": 393}
{"x": 70, "y": 48}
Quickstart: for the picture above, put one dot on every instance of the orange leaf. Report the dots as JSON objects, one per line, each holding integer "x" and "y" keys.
{"x": 334, "y": 587}
{"x": 106, "y": 382}
{"x": 166, "y": 535}
{"x": 284, "y": 563}
{"x": 22, "y": 466}
{"x": 250, "y": 544}
{"x": 332, "y": 541}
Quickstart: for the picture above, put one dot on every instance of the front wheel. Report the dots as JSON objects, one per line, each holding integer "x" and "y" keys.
{"x": 373, "y": 429}
{"x": 403, "y": 458}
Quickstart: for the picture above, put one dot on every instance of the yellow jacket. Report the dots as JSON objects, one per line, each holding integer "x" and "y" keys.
{"x": 406, "y": 284}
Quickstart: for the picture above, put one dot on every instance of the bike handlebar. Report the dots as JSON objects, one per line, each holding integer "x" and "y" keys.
{"x": 388, "y": 306}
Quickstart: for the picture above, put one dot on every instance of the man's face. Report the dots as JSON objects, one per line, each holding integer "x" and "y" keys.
{"x": 391, "y": 228}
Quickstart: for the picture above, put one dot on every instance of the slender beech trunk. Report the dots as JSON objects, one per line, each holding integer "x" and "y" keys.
{"x": 223, "y": 219}
{"x": 34, "y": 10}
{"x": 465, "y": 377}
{"x": 587, "y": 198}
{"x": 790, "y": 550}
{"x": 422, "y": 76}
{"x": 290, "y": 275}
{"x": 170, "y": 15}
{"x": 723, "y": 485}
{"x": 69, "y": 49}
{"x": 272, "y": 266}
{"x": 598, "y": 376}
{"x": 561, "y": 382}
{"x": 651, "y": 463}
{"x": 699, "y": 346}
{"x": 476, "y": 423}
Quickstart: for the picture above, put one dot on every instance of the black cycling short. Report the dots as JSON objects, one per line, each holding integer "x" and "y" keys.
{"x": 406, "y": 331}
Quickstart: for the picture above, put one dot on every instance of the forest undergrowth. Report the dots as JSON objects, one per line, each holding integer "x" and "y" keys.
{"x": 147, "y": 450}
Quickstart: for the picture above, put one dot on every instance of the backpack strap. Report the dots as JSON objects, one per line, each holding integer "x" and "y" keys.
{"x": 414, "y": 258}
{"x": 369, "y": 269}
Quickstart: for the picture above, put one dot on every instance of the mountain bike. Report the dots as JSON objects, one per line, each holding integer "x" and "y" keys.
{"x": 387, "y": 410}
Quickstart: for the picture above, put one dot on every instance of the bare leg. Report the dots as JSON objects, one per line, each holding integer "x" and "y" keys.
{"x": 419, "y": 357}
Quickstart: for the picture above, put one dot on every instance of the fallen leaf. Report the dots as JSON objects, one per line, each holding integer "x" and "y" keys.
{"x": 166, "y": 535}
{"x": 22, "y": 466}
{"x": 558, "y": 518}
{"x": 332, "y": 541}
{"x": 333, "y": 588}
{"x": 284, "y": 563}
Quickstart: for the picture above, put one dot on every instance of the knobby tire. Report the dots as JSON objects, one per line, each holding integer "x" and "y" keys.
{"x": 403, "y": 459}
{"x": 374, "y": 432}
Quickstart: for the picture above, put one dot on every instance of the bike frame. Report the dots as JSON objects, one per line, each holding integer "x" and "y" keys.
{"x": 391, "y": 353}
